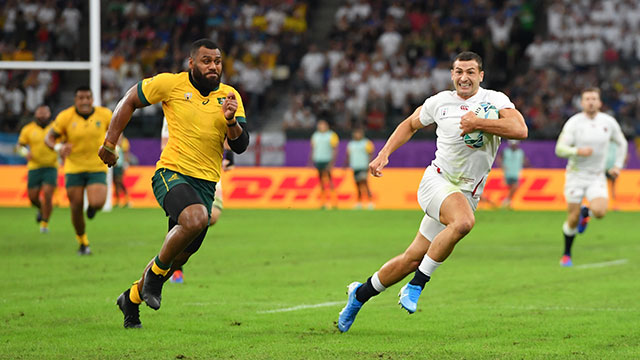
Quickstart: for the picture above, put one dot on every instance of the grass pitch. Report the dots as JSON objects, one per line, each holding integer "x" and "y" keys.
{"x": 270, "y": 284}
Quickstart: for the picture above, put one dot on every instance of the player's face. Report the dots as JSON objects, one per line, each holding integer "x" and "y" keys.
{"x": 590, "y": 102}
{"x": 466, "y": 77}
{"x": 358, "y": 134}
{"x": 323, "y": 126}
{"x": 207, "y": 67}
{"x": 84, "y": 102}
{"x": 42, "y": 115}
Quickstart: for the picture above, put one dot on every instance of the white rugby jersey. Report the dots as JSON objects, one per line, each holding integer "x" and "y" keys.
{"x": 463, "y": 166}
{"x": 582, "y": 131}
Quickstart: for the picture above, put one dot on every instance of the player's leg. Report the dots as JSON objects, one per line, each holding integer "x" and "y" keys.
{"x": 569, "y": 231}
{"x": 456, "y": 214}
{"x": 34, "y": 182}
{"x": 183, "y": 203}
{"x": 96, "y": 192}
{"x": 389, "y": 274}
{"x": 47, "y": 206}
{"x": 34, "y": 197}
{"x": 367, "y": 189}
{"x": 76, "y": 204}
{"x": 359, "y": 192}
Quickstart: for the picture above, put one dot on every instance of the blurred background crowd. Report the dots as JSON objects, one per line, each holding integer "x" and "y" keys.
{"x": 352, "y": 62}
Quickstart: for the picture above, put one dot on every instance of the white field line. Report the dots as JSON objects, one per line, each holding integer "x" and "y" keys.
{"x": 602, "y": 264}
{"x": 566, "y": 308}
{"x": 302, "y": 307}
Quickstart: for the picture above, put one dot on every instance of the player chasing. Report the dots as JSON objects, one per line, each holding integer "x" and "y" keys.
{"x": 451, "y": 186}
{"x": 359, "y": 150}
{"x": 83, "y": 126}
{"x": 201, "y": 113}
{"x": 585, "y": 140}
{"x": 42, "y": 164}
{"x": 218, "y": 203}
{"x": 324, "y": 149}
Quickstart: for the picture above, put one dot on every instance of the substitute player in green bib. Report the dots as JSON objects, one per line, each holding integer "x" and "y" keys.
{"x": 201, "y": 113}
{"x": 42, "y": 163}
{"x": 83, "y": 127}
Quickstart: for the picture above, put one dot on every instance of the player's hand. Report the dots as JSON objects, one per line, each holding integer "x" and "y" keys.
{"x": 225, "y": 165}
{"x": 229, "y": 106}
{"x": 614, "y": 172}
{"x": 65, "y": 150}
{"x": 108, "y": 157}
{"x": 376, "y": 166}
{"x": 468, "y": 123}
{"x": 585, "y": 151}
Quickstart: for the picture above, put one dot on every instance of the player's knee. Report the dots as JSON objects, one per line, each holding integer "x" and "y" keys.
{"x": 463, "y": 226}
{"x": 194, "y": 220}
{"x": 598, "y": 213}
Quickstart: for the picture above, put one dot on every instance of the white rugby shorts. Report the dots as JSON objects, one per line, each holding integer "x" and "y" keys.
{"x": 433, "y": 189}
{"x": 578, "y": 186}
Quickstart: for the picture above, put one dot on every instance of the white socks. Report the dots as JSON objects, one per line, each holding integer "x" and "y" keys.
{"x": 428, "y": 265}
{"x": 375, "y": 281}
{"x": 569, "y": 231}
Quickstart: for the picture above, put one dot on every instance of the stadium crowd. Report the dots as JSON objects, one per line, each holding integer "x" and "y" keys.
{"x": 261, "y": 41}
{"x": 385, "y": 58}
{"x": 382, "y": 58}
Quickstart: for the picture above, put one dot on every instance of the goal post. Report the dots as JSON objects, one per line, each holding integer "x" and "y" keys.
{"x": 92, "y": 66}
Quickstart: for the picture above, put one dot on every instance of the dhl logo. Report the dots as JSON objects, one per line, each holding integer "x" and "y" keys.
{"x": 261, "y": 187}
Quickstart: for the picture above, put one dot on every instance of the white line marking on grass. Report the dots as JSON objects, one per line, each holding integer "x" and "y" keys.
{"x": 301, "y": 307}
{"x": 567, "y": 308}
{"x": 602, "y": 264}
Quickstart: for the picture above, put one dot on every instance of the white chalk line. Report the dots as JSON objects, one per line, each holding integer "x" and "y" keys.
{"x": 523, "y": 308}
{"x": 602, "y": 264}
{"x": 302, "y": 307}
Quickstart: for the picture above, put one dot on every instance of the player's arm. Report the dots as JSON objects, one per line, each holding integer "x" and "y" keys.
{"x": 403, "y": 132}
{"x": 334, "y": 149}
{"x": 237, "y": 134}
{"x": 617, "y": 137}
{"x": 511, "y": 124}
{"x": 565, "y": 147}
{"x": 22, "y": 145}
{"x": 63, "y": 149}
{"x": 121, "y": 116}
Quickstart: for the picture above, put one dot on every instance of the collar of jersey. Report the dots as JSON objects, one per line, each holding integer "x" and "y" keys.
{"x": 202, "y": 92}
{"x": 85, "y": 116}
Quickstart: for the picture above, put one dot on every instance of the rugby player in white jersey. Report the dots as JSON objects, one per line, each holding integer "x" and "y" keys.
{"x": 585, "y": 140}
{"x": 451, "y": 186}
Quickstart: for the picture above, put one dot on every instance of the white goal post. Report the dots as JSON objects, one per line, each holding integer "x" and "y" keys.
{"x": 93, "y": 66}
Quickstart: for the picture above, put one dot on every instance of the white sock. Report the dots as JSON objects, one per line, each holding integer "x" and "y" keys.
{"x": 569, "y": 231}
{"x": 375, "y": 281}
{"x": 428, "y": 265}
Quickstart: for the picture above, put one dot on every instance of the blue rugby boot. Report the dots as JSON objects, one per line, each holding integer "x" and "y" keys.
{"x": 583, "y": 221}
{"x": 409, "y": 295}
{"x": 348, "y": 314}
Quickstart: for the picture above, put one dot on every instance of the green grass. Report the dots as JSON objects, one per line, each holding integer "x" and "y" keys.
{"x": 501, "y": 295}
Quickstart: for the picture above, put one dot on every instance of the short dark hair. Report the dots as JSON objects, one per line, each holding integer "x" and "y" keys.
{"x": 201, "y": 43}
{"x": 467, "y": 56}
{"x": 82, "y": 88}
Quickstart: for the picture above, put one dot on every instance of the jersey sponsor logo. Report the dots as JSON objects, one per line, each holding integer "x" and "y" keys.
{"x": 443, "y": 112}
{"x": 205, "y": 102}
{"x": 188, "y": 96}
{"x": 98, "y": 123}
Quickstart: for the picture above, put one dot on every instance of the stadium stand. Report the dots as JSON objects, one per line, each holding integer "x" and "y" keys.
{"x": 366, "y": 62}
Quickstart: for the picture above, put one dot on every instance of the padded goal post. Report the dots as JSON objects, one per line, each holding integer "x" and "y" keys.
{"x": 92, "y": 66}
